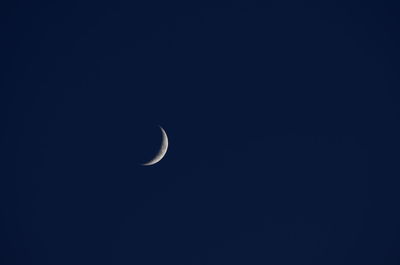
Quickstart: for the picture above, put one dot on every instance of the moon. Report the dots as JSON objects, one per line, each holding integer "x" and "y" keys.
{"x": 163, "y": 149}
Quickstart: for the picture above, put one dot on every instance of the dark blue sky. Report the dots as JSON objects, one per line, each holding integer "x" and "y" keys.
{"x": 283, "y": 121}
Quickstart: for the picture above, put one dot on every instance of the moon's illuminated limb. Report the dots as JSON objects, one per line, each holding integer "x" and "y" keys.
{"x": 163, "y": 149}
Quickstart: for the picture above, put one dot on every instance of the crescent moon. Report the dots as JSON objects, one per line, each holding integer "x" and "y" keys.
{"x": 163, "y": 149}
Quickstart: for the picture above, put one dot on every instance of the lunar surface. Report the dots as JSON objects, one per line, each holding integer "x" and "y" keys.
{"x": 163, "y": 150}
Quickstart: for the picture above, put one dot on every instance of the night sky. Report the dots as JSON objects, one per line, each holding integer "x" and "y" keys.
{"x": 282, "y": 118}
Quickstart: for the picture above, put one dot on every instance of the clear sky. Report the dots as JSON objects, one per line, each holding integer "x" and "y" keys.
{"x": 283, "y": 126}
